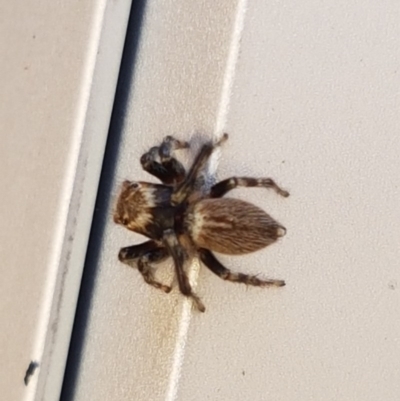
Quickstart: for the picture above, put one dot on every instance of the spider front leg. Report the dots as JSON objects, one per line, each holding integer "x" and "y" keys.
{"x": 220, "y": 189}
{"x": 217, "y": 268}
{"x": 159, "y": 161}
{"x": 179, "y": 255}
{"x": 185, "y": 188}
{"x": 142, "y": 256}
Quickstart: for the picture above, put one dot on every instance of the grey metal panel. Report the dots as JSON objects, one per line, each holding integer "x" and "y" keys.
{"x": 59, "y": 64}
{"x": 308, "y": 92}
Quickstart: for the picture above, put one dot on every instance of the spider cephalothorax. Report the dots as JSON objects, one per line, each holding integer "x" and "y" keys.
{"x": 183, "y": 221}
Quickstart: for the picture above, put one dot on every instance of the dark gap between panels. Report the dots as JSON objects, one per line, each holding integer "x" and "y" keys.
{"x": 80, "y": 327}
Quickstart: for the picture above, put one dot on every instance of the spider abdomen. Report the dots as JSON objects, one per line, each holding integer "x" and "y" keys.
{"x": 232, "y": 226}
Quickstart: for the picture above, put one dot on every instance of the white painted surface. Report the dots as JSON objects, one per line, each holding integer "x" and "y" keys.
{"x": 309, "y": 93}
{"x": 59, "y": 65}
{"x": 310, "y": 96}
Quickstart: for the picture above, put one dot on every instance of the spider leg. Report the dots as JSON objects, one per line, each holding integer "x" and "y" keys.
{"x": 179, "y": 255}
{"x": 159, "y": 161}
{"x": 142, "y": 256}
{"x": 216, "y": 267}
{"x": 221, "y": 188}
{"x": 184, "y": 188}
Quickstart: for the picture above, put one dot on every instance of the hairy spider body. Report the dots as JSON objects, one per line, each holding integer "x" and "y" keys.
{"x": 231, "y": 226}
{"x": 182, "y": 221}
{"x": 145, "y": 208}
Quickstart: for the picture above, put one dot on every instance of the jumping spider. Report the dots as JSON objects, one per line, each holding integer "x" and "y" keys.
{"x": 182, "y": 221}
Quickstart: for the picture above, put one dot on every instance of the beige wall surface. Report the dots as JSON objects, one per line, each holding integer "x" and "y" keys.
{"x": 309, "y": 93}
{"x": 59, "y": 63}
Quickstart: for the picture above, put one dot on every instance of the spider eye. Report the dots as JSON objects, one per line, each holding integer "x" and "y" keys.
{"x": 129, "y": 185}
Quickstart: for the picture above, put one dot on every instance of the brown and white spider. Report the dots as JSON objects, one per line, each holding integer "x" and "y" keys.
{"x": 182, "y": 221}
